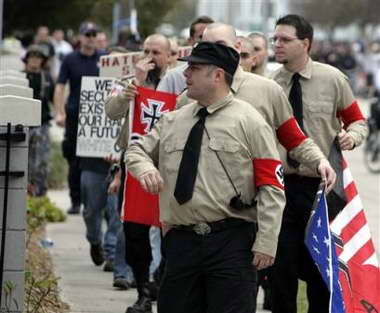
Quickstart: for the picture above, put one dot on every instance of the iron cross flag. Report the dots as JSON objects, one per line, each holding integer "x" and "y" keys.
{"x": 140, "y": 206}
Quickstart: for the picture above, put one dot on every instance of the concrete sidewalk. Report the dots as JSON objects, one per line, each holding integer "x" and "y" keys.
{"x": 85, "y": 287}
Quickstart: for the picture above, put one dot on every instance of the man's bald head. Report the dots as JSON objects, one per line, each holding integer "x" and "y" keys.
{"x": 221, "y": 33}
{"x": 159, "y": 39}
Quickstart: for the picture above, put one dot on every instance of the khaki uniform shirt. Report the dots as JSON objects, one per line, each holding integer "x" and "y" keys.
{"x": 325, "y": 92}
{"x": 267, "y": 97}
{"x": 239, "y": 134}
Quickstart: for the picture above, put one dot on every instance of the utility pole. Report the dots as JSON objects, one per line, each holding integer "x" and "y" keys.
{"x": 1, "y": 22}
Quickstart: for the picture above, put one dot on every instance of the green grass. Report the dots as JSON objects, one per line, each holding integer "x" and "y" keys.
{"x": 302, "y": 304}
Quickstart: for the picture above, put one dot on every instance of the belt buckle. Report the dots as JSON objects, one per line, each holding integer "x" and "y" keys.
{"x": 202, "y": 229}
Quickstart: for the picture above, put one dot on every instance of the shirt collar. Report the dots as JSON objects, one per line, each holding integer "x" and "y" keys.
{"x": 285, "y": 76}
{"x": 238, "y": 79}
{"x": 215, "y": 106}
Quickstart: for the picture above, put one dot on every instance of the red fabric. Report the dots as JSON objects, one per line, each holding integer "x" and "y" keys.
{"x": 138, "y": 205}
{"x": 351, "y": 114}
{"x": 290, "y": 135}
{"x": 360, "y": 274}
{"x": 268, "y": 172}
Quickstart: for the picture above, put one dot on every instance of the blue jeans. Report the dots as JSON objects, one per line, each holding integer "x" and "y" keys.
{"x": 155, "y": 243}
{"x": 98, "y": 203}
{"x": 120, "y": 267}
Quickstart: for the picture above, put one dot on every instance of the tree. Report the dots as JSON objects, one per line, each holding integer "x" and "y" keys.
{"x": 28, "y": 15}
{"x": 330, "y": 14}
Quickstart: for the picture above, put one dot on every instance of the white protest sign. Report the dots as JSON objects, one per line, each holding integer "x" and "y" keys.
{"x": 123, "y": 64}
{"x": 119, "y": 65}
{"x": 97, "y": 134}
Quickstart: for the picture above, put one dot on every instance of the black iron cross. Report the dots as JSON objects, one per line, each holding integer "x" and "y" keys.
{"x": 153, "y": 117}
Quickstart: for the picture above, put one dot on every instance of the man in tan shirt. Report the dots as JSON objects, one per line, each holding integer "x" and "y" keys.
{"x": 217, "y": 169}
{"x": 325, "y": 107}
{"x": 267, "y": 97}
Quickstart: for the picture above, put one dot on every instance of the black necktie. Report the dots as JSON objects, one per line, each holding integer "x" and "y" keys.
{"x": 295, "y": 99}
{"x": 188, "y": 168}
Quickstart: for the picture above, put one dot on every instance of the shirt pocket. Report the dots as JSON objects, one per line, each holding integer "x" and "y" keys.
{"x": 320, "y": 108}
{"x": 173, "y": 155}
{"x": 229, "y": 153}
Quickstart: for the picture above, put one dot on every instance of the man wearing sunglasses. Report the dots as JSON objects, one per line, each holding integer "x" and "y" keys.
{"x": 86, "y": 175}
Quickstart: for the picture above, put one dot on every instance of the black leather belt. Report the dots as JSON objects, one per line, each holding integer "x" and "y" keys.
{"x": 211, "y": 227}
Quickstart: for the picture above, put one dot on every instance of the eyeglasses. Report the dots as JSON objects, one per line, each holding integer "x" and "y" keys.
{"x": 90, "y": 34}
{"x": 244, "y": 55}
{"x": 282, "y": 40}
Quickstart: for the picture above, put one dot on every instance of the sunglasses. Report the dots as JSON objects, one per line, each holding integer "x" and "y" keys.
{"x": 244, "y": 55}
{"x": 90, "y": 34}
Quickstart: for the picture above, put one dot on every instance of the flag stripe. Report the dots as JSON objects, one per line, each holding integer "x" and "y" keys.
{"x": 354, "y": 226}
{"x": 345, "y": 217}
{"x": 357, "y": 241}
{"x": 347, "y": 177}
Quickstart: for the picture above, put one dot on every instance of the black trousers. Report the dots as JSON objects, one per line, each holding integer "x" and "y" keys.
{"x": 138, "y": 251}
{"x": 293, "y": 261}
{"x": 208, "y": 274}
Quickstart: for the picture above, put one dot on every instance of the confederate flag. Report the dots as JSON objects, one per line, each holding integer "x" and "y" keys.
{"x": 138, "y": 205}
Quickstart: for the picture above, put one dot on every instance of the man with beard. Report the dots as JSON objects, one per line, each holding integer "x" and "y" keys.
{"x": 149, "y": 71}
{"x": 174, "y": 80}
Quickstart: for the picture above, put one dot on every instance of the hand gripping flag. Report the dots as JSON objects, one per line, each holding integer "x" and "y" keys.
{"x": 138, "y": 205}
{"x": 320, "y": 244}
{"x": 359, "y": 272}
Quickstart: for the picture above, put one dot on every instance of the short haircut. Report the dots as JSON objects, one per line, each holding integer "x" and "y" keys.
{"x": 304, "y": 30}
{"x": 259, "y": 35}
{"x": 160, "y": 37}
{"x": 204, "y": 19}
{"x": 247, "y": 42}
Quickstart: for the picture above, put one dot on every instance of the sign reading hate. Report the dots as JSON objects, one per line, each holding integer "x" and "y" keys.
{"x": 123, "y": 64}
{"x": 97, "y": 134}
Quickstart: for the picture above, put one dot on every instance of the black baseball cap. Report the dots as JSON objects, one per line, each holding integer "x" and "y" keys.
{"x": 206, "y": 52}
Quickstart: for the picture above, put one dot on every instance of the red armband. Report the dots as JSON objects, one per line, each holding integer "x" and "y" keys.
{"x": 268, "y": 172}
{"x": 290, "y": 135}
{"x": 351, "y": 114}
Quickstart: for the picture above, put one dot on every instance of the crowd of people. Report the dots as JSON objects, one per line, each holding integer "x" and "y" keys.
{"x": 237, "y": 164}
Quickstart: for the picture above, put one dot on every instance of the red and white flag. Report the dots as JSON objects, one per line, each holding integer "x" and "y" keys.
{"x": 140, "y": 206}
{"x": 359, "y": 274}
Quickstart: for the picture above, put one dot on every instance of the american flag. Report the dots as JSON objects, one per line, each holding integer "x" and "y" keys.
{"x": 359, "y": 272}
{"x": 359, "y": 268}
{"x": 320, "y": 244}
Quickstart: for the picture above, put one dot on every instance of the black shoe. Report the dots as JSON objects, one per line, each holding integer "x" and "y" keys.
{"x": 121, "y": 283}
{"x": 75, "y": 209}
{"x": 108, "y": 266}
{"x": 142, "y": 305}
{"x": 96, "y": 252}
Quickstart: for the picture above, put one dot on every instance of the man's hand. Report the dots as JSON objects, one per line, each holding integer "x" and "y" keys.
{"x": 130, "y": 92}
{"x": 142, "y": 68}
{"x": 346, "y": 141}
{"x": 261, "y": 260}
{"x": 111, "y": 158}
{"x": 114, "y": 186}
{"x": 327, "y": 173}
{"x": 152, "y": 182}
{"x": 60, "y": 119}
